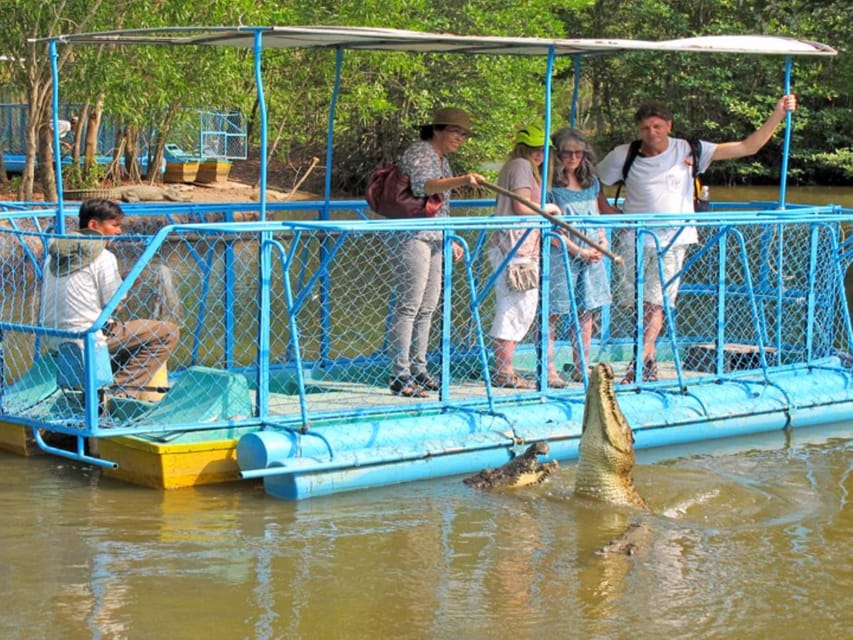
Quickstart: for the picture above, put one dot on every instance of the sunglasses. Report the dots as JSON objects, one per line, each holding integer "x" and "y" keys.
{"x": 458, "y": 132}
{"x": 565, "y": 155}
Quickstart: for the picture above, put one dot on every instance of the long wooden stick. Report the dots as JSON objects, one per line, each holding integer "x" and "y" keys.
{"x": 553, "y": 219}
{"x": 299, "y": 182}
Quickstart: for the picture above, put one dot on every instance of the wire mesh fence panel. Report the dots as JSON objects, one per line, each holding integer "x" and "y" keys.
{"x": 219, "y": 324}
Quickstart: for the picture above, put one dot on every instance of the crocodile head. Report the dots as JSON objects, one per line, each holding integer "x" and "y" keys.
{"x": 606, "y": 452}
{"x": 523, "y": 470}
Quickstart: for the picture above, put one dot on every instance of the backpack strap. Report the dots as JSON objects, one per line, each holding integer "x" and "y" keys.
{"x": 633, "y": 152}
{"x": 696, "y": 152}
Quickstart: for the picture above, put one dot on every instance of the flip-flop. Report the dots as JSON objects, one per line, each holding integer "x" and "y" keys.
{"x": 407, "y": 388}
{"x": 426, "y": 381}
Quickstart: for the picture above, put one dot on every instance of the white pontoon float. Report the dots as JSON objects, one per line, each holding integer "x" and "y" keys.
{"x": 283, "y": 337}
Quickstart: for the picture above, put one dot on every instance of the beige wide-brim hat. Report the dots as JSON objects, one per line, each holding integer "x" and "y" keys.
{"x": 451, "y": 117}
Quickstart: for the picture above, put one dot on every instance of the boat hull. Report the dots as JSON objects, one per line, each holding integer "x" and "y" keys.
{"x": 370, "y": 453}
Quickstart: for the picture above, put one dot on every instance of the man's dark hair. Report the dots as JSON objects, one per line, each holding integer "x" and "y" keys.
{"x": 98, "y": 209}
{"x": 652, "y": 110}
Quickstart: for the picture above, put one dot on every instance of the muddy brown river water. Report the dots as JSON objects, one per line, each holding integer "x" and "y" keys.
{"x": 749, "y": 538}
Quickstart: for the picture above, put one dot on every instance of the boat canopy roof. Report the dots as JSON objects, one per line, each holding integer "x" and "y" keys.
{"x": 369, "y": 38}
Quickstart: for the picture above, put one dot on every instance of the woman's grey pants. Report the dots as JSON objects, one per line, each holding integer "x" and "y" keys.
{"x": 417, "y": 267}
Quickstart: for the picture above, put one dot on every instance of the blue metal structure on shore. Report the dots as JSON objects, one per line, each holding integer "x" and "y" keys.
{"x": 207, "y": 134}
{"x": 283, "y": 337}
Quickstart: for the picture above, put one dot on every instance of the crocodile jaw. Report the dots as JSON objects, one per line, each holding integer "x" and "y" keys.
{"x": 606, "y": 451}
{"x": 534, "y": 476}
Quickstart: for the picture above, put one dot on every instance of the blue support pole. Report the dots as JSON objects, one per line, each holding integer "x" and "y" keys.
{"x": 548, "y": 73}
{"x": 446, "y": 314}
{"x": 811, "y": 296}
{"x": 286, "y": 267}
{"x": 330, "y": 133}
{"x": 79, "y": 455}
{"x": 57, "y": 151}
{"x": 779, "y": 292}
{"x": 262, "y": 109}
{"x": 720, "y": 329}
{"x": 545, "y": 262}
{"x": 786, "y": 148}
{"x": 325, "y": 282}
{"x": 264, "y": 324}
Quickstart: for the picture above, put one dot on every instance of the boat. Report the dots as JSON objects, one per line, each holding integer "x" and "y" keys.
{"x": 213, "y": 170}
{"x": 281, "y": 373}
{"x": 180, "y": 166}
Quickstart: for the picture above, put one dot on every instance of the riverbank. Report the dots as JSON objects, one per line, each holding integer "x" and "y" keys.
{"x": 283, "y": 183}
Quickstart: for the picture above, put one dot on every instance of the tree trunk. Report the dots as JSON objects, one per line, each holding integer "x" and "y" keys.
{"x": 131, "y": 153}
{"x": 163, "y": 129}
{"x": 155, "y": 161}
{"x": 28, "y": 175}
{"x": 78, "y": 129}
{"x": 90, "y": 156}
{"x": 47, "y": 163}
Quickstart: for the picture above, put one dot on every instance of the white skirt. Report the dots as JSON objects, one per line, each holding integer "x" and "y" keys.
{"x": 515, "y": 311}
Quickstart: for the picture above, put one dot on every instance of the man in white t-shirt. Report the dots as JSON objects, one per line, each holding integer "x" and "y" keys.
{"x": 660, "y": 180}
{"x": 80, "y": 277}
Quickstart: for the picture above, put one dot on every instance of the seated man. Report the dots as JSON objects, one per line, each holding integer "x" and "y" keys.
{"x": 80, "y": 277}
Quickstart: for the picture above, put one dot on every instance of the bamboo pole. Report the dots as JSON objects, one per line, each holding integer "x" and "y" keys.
{"x": 553, "y": 219}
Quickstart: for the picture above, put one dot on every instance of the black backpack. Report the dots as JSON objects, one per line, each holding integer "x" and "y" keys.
{"x": 695, "y": 150}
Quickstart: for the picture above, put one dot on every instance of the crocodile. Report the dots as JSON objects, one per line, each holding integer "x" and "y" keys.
{"x": 606, "y": 455}
{"x": 138, "y": 193}
{"x": 606, "y": 460}
{"x": 523, "y": 470}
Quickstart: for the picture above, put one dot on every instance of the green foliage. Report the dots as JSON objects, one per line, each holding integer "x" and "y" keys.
{"x": 384, "y": 97}
{"x": 834, "y": 167}
{"x": 74, "y": 176}
{"x": 724, "y": 97}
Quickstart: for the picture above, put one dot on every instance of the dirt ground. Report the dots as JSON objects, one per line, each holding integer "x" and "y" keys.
{"x": 241, "y": 185}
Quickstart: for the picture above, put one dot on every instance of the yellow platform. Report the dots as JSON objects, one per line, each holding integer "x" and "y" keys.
{"x": 18, "y": 439}
{"x": 213, "y": 171}
{"x": 170, "y": 466}
{"x": 146, "y": 463}
{"x": 180, "y": 172}
{"x": 199, "y": 395}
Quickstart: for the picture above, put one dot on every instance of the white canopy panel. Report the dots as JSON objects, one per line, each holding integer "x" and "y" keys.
{"x": 370, "y": 38}
{"x": 749, "y": 44}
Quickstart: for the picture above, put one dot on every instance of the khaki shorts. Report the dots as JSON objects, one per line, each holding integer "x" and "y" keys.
{"x": 625, "y": 274}
{"x": 672, "y": 262}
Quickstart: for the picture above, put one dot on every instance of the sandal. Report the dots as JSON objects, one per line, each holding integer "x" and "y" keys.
{"x": 628, "y": 378}
{"x": 556, "y": 382}
{"x": 576, "y": 375}
{"x": 426, "y": 381}
{"x": 650, "y": 370}
{"x": 511, "y": 381}
{"x": 407, "y": 388}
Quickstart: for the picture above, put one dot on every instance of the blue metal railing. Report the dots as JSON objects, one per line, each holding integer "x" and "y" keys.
{"x": 733, "y": 267}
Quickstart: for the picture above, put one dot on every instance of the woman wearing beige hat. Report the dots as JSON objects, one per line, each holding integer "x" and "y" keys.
{"x": 416, "y": 256}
